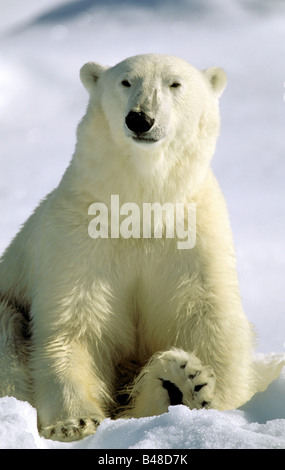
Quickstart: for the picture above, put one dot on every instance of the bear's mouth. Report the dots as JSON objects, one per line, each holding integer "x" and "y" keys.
{"x": 144, "y": 140}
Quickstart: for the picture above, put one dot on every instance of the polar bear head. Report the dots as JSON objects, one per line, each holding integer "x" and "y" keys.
{"x": 151, "y": 98}
{"x": 154, "y": 102}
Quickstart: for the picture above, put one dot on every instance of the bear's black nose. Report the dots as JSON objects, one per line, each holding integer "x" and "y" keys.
{"x": 139, "y": 122}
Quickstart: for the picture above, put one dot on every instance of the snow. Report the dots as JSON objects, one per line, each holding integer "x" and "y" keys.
{"x": 260, "y": 424}
{"x": 42, "y": 46}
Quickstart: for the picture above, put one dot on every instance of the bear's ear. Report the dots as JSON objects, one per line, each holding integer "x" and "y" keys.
{"x": 90, "y": 73}
{"x": 217, "y": 78}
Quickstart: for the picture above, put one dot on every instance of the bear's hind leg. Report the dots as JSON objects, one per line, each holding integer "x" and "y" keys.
{"x": 14, "y": 352}
{"x": 170, "y": 378}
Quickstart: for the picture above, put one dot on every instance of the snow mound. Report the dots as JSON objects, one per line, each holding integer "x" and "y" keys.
{"x": 260, "y": 424}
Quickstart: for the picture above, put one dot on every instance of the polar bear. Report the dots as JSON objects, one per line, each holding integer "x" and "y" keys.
{"x": 111, "y": 325}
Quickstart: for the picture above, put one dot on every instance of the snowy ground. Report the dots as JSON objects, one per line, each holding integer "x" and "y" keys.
{"x": 42, "y": 46}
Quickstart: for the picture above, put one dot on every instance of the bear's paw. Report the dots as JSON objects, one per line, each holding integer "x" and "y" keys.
{"x": 71, "y": 430}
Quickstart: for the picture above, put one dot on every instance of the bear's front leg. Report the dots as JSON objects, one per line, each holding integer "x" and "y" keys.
{"x": 70, "y": 397}
{"x": 172, "y": 377}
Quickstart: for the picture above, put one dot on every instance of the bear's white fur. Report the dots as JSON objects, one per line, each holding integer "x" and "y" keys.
{"x": 81, "y": 318}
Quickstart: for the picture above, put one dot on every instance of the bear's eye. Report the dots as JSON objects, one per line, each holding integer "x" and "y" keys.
{"x": 126, "y": 83}
{"x": 175, "y": 85}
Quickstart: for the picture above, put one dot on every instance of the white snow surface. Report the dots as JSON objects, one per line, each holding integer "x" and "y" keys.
{"x": 260, "y": 424}
{"x": 42, "y": 47}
